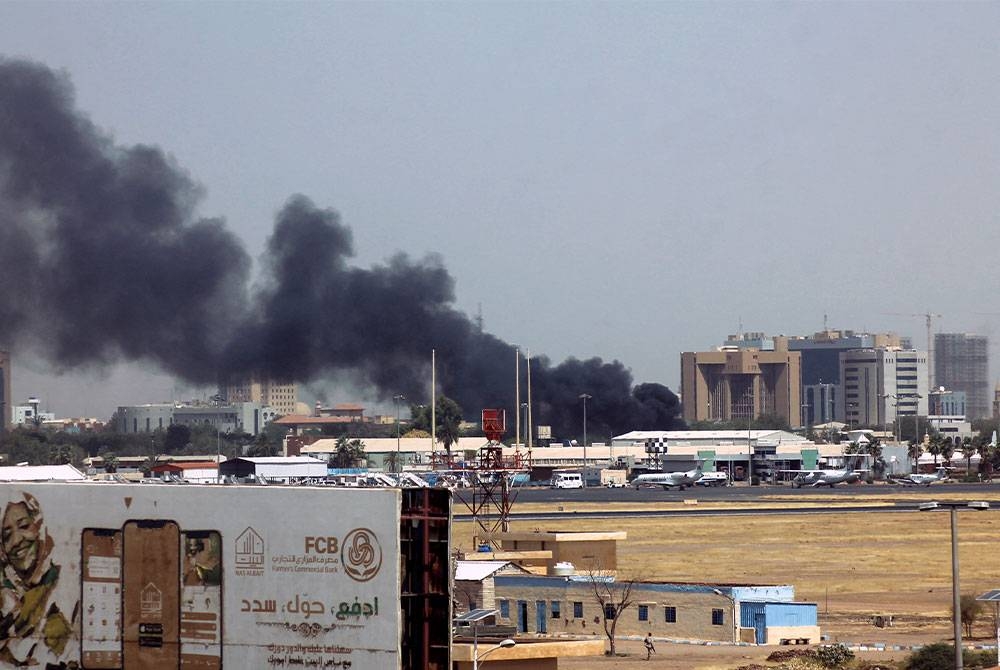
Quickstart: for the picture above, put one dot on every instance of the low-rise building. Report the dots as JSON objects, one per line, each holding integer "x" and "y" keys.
{"x": 475, "y": 583}
{"x": 238, "y": 417}
{"x": 283, "y": 469}
{"x": 195, "y": 472}
{"x": 554, "y": 605}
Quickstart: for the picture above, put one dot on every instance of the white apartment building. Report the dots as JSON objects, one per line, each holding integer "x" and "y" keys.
{"x": 882, "y": 384}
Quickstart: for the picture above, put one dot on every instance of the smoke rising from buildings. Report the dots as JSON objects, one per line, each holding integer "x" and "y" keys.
{"x": 102, "y": 258}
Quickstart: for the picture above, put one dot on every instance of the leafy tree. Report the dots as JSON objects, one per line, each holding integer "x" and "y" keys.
{"x": 110, "y": 461}
{"x": 62, "y": 454}
{"x": 177, "y": 437}
{"x": 448, "y": 417}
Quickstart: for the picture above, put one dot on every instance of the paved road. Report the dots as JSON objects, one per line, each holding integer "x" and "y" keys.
{"x": 755, "y": 500}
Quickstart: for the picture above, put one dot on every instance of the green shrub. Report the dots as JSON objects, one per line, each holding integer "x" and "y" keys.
{"x": 941, "y": 656}
{"x": 834, "y": 655}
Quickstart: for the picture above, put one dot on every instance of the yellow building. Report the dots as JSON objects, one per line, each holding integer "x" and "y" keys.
{"x": 280, "y": 397}
{"x": 733, "y": 384}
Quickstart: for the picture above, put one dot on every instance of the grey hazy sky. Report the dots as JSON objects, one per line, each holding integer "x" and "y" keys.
{"x": 620, "y": 180}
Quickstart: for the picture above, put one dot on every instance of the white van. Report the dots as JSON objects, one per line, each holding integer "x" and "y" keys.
{"x": 567, "y": 480}
{"x": 713, "y": 479}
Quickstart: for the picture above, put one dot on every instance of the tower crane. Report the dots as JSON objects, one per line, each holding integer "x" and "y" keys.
{"x": 930, "y": 345}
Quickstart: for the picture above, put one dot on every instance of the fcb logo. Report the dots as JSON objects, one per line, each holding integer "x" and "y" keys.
{"x": 361, "y": 554}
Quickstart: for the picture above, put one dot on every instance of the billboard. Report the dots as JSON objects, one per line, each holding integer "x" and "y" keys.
{"x": 112, "y": 576}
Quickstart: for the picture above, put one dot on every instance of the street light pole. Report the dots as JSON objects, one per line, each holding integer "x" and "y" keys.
{"x": 476, "y": 657}
{"x": 956, "y": 601}
{"x": 585, "y": 397}
{"x": 916, "y": 423}
{"x": 398, "y": 399}
{"x": 749, "y": 451}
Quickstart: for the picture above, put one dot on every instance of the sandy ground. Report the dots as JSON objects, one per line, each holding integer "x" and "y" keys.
{"x": 690, "y": 657}
{"x": 852, "y": 566}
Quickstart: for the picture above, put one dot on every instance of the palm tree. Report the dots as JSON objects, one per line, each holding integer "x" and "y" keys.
{"x": 914, "y": 451}
{"x": 393, "y": 461}
{"x": 947, "y": 449}
{"x": 968, "y": 450}
{"x": 150, "y": 463}
{"x": 349, "y": 454}
{"x": 986, "y": 456}
{"x": 449, "y": 421}
{"x": 110, "y": 461}
{"x": 935, "y": 447}
{"x": 874, "y": 451}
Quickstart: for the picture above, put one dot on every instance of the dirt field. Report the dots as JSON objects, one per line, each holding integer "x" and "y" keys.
{"x": 853, "y": 565}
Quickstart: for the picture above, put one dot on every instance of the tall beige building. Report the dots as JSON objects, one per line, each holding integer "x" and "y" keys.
{"x": 741, "y": 384}
{"x": 282, "y": 398}
{"x": 6, "y": 404}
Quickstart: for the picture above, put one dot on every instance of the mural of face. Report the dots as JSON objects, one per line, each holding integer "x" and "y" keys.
{"x": 20, "y": 537}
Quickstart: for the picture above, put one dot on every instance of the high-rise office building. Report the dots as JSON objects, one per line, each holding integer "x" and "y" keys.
{"x": 734, "y": 384}
{"x": 822, "y": 392}
{"x": 961, "y": 363}
{"x": 6, "y": 406}
{"x": 881, "y": 385}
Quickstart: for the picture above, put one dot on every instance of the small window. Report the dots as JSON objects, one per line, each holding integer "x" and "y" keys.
{"x": 577, "y": 610}
{"x": 718, "y": 617}
{"x": 643, "y": 612}
{"x": 505, "y": 609}
{"x": 609, "y": 612}
{"x": 670, "y": 614}
{"x": 556, "y": 607}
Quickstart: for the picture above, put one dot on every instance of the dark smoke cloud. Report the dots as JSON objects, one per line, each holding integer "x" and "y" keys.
{"x": 102, "y": 258}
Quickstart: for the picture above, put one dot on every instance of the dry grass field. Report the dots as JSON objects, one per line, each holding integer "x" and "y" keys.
{"x": 853, "y": 565}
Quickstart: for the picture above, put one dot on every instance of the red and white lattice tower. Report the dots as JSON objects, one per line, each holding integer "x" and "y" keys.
{"x": 492, "y": 493}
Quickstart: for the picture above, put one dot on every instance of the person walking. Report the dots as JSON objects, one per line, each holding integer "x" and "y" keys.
{"x": 650, "y": 649}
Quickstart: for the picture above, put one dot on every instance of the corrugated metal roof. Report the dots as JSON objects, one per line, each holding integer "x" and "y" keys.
{"x": 40, "y": 473}
{"x": 194, "y": 465}
{"x": 992, "y": 596}
{"x": 279, "y": 460}
{"x": 477, "y": 571}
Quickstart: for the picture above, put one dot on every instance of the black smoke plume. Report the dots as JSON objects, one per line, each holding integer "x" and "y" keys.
{"x": 102, "y": 259}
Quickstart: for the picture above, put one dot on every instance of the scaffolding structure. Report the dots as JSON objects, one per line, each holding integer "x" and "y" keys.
{"x": 493, "y": 479}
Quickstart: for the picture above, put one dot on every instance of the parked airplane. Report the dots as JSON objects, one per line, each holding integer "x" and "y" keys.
{"x": 848, "y": 475}
{"x": 669, "y": 480}
{"x": 940, "y": 474}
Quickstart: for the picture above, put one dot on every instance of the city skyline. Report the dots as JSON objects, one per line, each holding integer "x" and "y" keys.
{"x": 623, "y": 182}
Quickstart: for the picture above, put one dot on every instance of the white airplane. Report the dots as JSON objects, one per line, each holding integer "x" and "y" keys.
{"x": 669, "y": 480}
{"x": 940, "y": 474}
{"x": 848, "y": 475}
